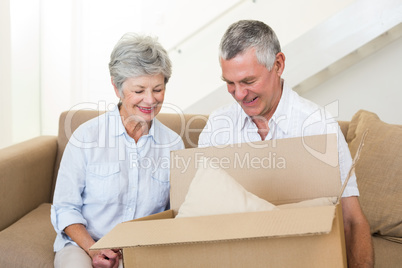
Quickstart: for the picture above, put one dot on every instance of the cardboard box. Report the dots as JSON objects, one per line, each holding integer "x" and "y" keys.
{"x": 280, "y": 171}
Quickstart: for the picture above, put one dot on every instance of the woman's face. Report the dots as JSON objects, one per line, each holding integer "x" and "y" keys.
{"x": 142, "y": 97}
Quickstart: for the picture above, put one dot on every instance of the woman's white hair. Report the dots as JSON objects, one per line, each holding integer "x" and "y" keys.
{"x": 137, "y": 55}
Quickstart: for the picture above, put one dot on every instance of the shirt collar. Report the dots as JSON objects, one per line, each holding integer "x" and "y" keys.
{"x": 117, "y": 128}
{"x": 156, "y": 131}
{"x": 244, "y": 118}
{"x": 281, "y": 117}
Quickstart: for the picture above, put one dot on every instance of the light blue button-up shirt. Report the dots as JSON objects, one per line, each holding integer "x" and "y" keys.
{"x": 106, "y": 178}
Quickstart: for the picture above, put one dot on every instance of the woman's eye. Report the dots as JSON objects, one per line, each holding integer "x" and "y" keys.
{"x": 157, "y": 90}
{"x": 139, "y": 91}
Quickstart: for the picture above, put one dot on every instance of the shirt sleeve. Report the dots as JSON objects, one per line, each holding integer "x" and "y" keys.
{"x": 345, "y": 163}
{"x": 67, "y": 201}
{"x": 204, "y": 140}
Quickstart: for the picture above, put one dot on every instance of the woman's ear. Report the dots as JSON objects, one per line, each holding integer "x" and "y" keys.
{"x": 116, "y": 90}
{"x": 279, "y": 65}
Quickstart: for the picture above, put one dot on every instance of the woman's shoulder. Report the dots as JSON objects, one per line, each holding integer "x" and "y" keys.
{"x": 92, "y": 127}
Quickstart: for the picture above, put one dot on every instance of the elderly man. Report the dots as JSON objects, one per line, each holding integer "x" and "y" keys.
{"x": 267, "y": 108}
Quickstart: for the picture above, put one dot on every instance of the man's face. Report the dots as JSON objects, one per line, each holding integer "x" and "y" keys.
{"x": 256, "y": 89}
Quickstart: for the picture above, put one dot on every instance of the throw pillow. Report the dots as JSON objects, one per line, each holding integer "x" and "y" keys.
{"x": 213, "y": 191}
{"x": 316, "y": 202}
{"x": 378, "y": 172}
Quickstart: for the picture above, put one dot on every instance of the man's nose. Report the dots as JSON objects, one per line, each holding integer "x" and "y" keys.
{"x": 240, "y": 92}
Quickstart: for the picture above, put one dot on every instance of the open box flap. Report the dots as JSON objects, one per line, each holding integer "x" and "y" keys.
{"x": 282, "y": 223}
{"x": 279, "y": 171}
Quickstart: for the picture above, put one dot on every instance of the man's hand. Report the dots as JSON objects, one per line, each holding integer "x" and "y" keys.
{"x": 106, "y": 258}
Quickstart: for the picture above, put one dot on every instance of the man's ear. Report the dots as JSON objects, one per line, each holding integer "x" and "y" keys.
{"x": 279, "y": 65}
{"x": 116, "y": 90}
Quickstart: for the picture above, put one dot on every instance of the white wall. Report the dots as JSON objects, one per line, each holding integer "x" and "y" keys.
{"x": 197, "y": 73}
{"x": 25, "y": 56}
{"x": 78, "y": 37}
{"x": 5, "y": 75}
{"x": 69, "y": 42}
{"x": 20, "y": 71}
{"x": 373, "y": 84}
{"x": 340, "y": 41}
{"x": 57, "y": 43}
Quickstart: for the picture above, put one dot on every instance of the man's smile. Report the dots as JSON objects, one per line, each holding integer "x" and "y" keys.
{"x": 251, "y": 101}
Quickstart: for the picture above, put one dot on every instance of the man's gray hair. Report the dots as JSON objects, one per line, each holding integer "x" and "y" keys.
{"x": 246, "y": 34}
{"x": 136, "y": 55}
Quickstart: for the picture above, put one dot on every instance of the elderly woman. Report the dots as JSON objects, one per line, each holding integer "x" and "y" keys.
{"x": 115, "y": 167}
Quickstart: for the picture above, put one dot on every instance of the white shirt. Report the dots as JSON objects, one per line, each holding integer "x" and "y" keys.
{"x": 106, "y": 178}
{"x": 294, "y": 117}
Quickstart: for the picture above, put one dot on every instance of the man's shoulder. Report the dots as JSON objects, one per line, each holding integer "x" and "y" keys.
{"x": 304, "y": 104}
{"x": 312, "y": 117}
{"x": 309, "y": 109}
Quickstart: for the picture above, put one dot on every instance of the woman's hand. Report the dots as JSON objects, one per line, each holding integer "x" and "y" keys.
{"x": 106, "y": 258}
{"x": 100, "y": 258}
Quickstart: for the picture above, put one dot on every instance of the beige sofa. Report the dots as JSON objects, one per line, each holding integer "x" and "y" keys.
{"x": 28, "y": 171}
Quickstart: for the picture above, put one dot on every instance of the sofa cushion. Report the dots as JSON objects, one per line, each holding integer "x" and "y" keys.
{"x": 379, "y": 172}
{"x": 386, "y": 253}
{"x": 29, "y": 241}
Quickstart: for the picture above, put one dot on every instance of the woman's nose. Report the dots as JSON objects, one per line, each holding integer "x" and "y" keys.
{"x": 149, "y": 98}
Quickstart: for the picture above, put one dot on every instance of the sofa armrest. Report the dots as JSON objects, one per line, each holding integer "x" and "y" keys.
{"x": 26, "y": 176}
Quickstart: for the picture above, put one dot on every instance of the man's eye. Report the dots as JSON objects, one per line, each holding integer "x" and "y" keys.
{"x": 230, "y": 83}
{"x": 248, "y": 82}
